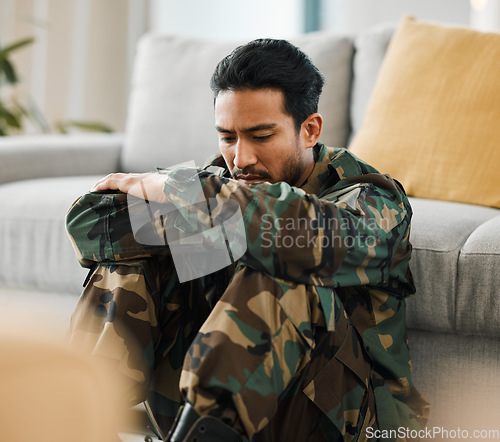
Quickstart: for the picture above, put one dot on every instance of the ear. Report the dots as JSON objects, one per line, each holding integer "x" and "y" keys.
{"x": 311, "y": 129}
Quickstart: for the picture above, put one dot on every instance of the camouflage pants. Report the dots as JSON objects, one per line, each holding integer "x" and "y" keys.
{"x": 241, "y": 345}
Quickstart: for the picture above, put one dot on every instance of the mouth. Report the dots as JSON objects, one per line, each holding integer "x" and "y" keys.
{"x": 248, "y": 179}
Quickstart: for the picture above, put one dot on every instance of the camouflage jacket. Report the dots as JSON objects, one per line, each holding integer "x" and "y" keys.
{"x": 347, "y": 228}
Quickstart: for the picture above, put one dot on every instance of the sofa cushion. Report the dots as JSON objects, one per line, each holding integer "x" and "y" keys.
{"x": 36, "y": 251}
{"x": 478, "y": 286}
{"x": 170, "y": 118}
{"x": 439, "y": 231}
{"x": 37, "y": 156}
{"x": 432, "y": 120}
{"x": 459, "y": 376}
{"x": 370, "y": 48}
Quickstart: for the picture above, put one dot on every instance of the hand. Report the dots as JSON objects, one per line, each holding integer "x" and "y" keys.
{"x": 148, "y": 186}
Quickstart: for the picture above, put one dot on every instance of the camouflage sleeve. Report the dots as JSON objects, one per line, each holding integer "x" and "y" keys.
{"x": 354, "y": 236}
{"x": 357, "y": 235}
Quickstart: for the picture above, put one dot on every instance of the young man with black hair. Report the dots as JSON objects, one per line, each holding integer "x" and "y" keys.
{"x": 303, "y": 336}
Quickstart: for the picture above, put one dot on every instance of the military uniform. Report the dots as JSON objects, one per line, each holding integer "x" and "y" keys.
{"x": 302, "y": 338}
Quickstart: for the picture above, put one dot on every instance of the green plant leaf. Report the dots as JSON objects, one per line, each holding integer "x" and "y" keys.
{"x": 17, "y": 45}
{"x": 91, "y": 126}
{"x": 10, "y": 119}
{"x": 8, "y": 69}
{"x": 60, "y": 127}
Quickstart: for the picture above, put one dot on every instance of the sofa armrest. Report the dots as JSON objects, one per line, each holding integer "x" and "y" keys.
{"x": 37, "y": 156}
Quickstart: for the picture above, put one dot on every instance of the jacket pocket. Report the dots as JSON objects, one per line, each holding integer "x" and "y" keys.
{"x": 342, "y": 389}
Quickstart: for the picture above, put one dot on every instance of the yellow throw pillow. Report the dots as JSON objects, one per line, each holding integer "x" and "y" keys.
{"x": 433, "y": 120}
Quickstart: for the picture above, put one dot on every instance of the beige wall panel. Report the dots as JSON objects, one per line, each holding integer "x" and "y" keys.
{"x": 106, "y": 71}
{"x": 78, "y": 66}
{"x": 58, "y": 57}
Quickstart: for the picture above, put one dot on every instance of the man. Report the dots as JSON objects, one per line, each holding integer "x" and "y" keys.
{"x": 303, "y": 337}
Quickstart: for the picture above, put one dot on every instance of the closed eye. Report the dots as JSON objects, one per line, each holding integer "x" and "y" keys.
{"x": 263, "y": 137}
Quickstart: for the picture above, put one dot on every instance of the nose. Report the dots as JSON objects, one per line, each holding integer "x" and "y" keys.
{"x": 245, "y": 155}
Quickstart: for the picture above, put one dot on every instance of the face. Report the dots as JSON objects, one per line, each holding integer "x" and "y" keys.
{"x": 259, "y": 141}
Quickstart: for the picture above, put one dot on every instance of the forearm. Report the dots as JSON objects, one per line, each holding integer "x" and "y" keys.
{"x": 320, "y": 241}
{"x": 99, "y": 226}
{"x": 356, "y": 236}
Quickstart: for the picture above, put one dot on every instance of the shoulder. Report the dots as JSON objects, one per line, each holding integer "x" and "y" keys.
{"x": 347, "y": 164}
{"x": 350, "y": 169}
{"x": 349, "y": 175}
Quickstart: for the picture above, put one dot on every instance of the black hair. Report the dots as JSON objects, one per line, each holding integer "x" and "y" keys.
{"x": 275, "y": 64}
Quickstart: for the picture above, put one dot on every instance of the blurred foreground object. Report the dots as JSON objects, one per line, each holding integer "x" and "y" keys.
{"x": 51, "y": 393}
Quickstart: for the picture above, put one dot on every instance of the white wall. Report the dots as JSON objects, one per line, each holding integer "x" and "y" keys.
{"x": 485, "y": 15}
{"x": 248, "y": 19}
{"x": 356, "y": 15}
{"x": 228, "y": 19}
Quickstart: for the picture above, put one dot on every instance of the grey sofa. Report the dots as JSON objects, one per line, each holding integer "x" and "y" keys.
{"x": 453, "y": 320}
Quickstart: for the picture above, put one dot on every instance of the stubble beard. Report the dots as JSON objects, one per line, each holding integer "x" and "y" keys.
{"x": 293, "y": 167}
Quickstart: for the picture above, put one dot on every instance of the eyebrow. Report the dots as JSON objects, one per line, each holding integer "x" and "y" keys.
{"x": 249, "y": 129}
